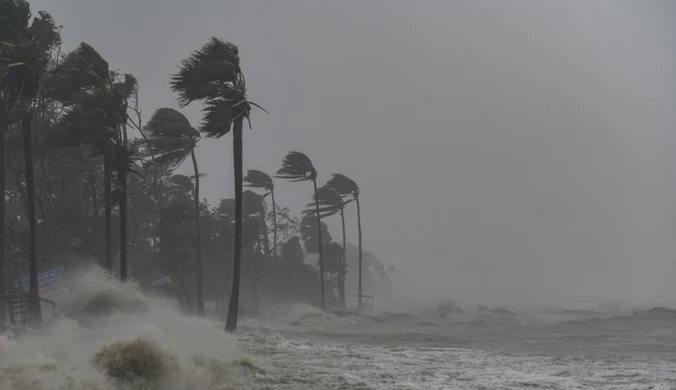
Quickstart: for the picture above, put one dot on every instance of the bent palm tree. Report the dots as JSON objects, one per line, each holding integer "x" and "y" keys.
{"x": 331, "y": 203}
{"x": 82, "y": 74}
{"x": 13, "y": 24}
{"x": 212, "y": 75}
{"x": 298, "y": 167}
{"x": 258, "y": 179}
{"x": 98, "y": 119}
{"x": 346, "y": 187}
{"x": 22, "y": 76}
{"x": 171, "y": 139}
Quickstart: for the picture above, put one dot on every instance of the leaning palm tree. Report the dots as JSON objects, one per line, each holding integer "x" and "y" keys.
{"x": 98, "y": 120}
{"x": 26, "y": 55}
{"x": 346, "y": 187}
{"x": 170, "y": 140}
{"x": 213, "y": 76}
{"x": 14, "y": 17}
{"x": 331, "y": 203}
{"x": 80, "y": 74}
{"x": 261, "y": 180}
{"x": 298, "y": 167}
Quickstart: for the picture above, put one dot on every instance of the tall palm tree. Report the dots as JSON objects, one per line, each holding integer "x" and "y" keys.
{"x": 171, "y": 139}
{"x": 298, "y": 167}
{"x": 346, "y": 187}
{"x": 22, "y": 81}
{"x": 331, "y": 203}
{"x": 261, "y": 180}
{"x": 213, "y": 76}
{"x": 80, "y": 74}
{"x": 98, "y": 120}
{"x": 14, "y": 17}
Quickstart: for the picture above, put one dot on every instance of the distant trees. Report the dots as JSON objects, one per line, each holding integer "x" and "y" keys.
{"x": 331, "y": 203}
{"x": 298, "y": 167}
{"x": 347, "y": 188}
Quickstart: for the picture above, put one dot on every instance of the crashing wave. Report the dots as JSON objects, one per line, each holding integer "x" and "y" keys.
{"x": 128, "y": 342}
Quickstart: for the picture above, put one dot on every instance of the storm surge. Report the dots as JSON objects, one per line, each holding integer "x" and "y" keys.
{"x": 108, "y": 335}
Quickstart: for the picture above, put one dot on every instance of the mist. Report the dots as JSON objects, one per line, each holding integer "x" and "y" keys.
{"x": 507, "y": 152}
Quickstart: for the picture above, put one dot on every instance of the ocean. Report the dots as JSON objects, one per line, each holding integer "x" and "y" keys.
{"x": 109, "y": 336}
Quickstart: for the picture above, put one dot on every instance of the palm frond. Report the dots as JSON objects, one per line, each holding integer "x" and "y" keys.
{"x": 201, "y": 75}
{"x": 170, "y": 138}
{"x": 296, "y": 166}
{"x": 169, "y": 123}
{"x": 79, "y": 71}
{"x": 258, "y": 179}
{"x": 343, "y": 185}
{"x": 14, "y": 18}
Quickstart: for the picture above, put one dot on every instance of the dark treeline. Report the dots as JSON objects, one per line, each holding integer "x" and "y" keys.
{"x": 87, "y": 181}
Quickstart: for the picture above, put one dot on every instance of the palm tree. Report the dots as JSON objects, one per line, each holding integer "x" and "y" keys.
{"x": 258, "y": 179}
{"x": 27, "y": 54}
{"x": 13, "y": 24}
{"x": 212, "y": 75}
{"x": 97, "y": 118}
{"x": 331, "y": 203}
{"x": 298, "y": 167}
{"x": 346, "y": 187}
{"x": 171, "y": 139}
{"x": 80, "y": 74}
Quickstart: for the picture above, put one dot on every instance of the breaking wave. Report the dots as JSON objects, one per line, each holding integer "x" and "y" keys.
{"x": 109, "y": 336}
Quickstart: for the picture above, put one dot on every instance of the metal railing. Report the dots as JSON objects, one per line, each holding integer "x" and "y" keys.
{"x": 18, "y": 310}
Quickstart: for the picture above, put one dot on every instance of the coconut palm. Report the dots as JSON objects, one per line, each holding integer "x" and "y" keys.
{"x": 298, "y": 167}
{"x": 261, "y": 180}
{"x": 25, "y": 56}
{"x": 213, "y": 76}
{"x": 14, "y": 17}
{"x": 98, "y": 119}
{"x": 170, "y": 140}
{"x": 346, "y": 187}
{"x": 83, "y": 73}
{"x": 331, "y": 203}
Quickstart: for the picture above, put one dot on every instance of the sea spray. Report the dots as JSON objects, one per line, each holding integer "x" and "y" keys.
{"x": 111, "y": 337}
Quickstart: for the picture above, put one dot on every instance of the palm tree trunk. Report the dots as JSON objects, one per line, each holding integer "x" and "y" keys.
{"x": 319, "y": 237}
{"x": 233, "y": 309}
{"x": 123, "y": 224}
{"x": 32, "y": 223}
{"x": 3, "y": 266}
{"x": 274, "y": 223}
{"x": 360, "y": 252}
{"x": 108, "y": 262}
{"x": 341, "y": 274}
{"x": 198, "y": 239}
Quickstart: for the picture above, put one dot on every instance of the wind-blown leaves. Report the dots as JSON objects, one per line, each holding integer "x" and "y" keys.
{"x": 79, "y": 71}
{"x": 212, "y": 74}
{"x": 14, "y": 18}
{"x": 297, "y": 167}
{"x": 206, "y": 72}
{"x": 90, "y": 120}
{"x": 330, "y": 203}
{"x": 343, "y": 185}
{"x": 259, "y": 179}
{"x": 170, "y": 137}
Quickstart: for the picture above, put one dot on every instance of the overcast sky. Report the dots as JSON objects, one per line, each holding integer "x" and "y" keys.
{"x": 506, "y": 150}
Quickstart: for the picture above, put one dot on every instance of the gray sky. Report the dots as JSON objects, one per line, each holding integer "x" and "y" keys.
{"x": 506, "y": 150}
